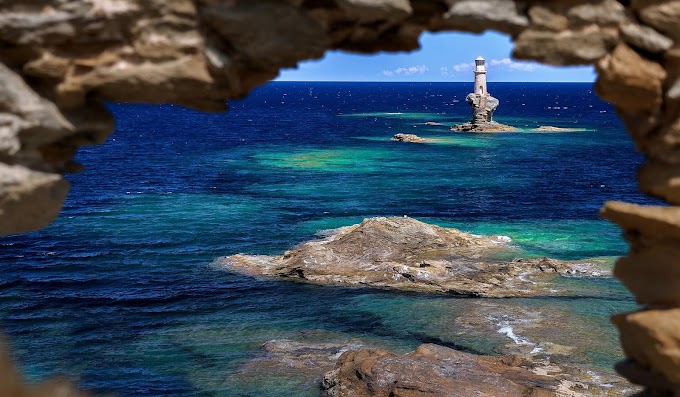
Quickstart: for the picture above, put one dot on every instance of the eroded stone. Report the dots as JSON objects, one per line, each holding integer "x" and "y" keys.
{"x": 656, "y": 221}
{"x": 579, "y": 46}
{"x": 29, "y": 199}
{"x": 480, "y": 15}
{"x": 651, "y": 338}
{"x": 652, "y": 273}
{"x": 629, "y": 81}
{"x": 406, "y": 254}
{"x": 645, "y": 38}
{"x": 663, "y": 15}
{"x": 660, "y": 180}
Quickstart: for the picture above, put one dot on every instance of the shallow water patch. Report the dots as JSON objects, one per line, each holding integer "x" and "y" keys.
{"x": 328, "y": 160}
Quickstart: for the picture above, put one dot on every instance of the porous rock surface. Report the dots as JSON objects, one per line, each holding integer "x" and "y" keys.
{"x": 405, "y": 254}
{"x": 483, "y": 127}
{"x": 409, "y": 138}
{"x": 61, "y": 59}
{"x": 432, "y": 370}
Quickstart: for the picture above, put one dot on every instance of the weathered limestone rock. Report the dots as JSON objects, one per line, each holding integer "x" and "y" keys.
{"x": 29, "y": 199}
{"x": 483, "y": 107}
{"x": 629, "y": 81}
{"x": 568, "y": 47}
{"x": 544, "y": 17}
{"x": 406, "y": 254}
{"x": 663, "y": 15}
{"x": 479, "y": 15}
{"x": 658, "y": 222}
{"x": 321, "y": 358}
{"x": 645, "y": 38}
{"x": 483, "y": 127}
{"x": 409, "y": 138}
{"x": 651, "y": 338}
{"x": 652, "y": 268}
{"x": 600, "y": 12}
{"x": 660, "y": 180}
{"x": 643, "y": 270}
{"x": 433, "y": 370}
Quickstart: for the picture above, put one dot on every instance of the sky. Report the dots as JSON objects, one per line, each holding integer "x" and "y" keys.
{"x": 442, "y": 57}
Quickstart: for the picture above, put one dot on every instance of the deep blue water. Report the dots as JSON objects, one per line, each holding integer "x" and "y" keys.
{"x": 120, "y": 292}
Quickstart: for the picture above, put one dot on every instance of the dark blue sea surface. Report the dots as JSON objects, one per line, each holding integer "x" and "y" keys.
{"x": 121, "y": 292}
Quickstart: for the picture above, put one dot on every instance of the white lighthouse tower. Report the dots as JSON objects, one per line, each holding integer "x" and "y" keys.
{"x": 483, "y": 105}
{"x": 480, "y": 76}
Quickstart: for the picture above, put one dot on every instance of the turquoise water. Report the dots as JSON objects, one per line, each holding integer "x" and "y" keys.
{"x": 121, "y": 292}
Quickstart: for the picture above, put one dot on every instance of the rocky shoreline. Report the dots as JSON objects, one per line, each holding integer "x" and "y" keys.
{"x": 343, "y": 367}
{"x": 405, "y": 254}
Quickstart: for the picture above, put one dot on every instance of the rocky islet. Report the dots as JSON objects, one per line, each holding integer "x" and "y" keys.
{"x": 405, "y": 254}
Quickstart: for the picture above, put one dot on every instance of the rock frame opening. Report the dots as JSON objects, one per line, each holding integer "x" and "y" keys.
{"x": 62, "y": 59}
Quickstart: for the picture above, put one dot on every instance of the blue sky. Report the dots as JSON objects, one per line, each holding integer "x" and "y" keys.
{"x": 442, "y": 57}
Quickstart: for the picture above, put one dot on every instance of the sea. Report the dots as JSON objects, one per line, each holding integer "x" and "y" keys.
{"x": 122, "y": 293}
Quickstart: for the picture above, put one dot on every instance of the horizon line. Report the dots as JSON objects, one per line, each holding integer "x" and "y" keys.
{"x": 392, "y": 82}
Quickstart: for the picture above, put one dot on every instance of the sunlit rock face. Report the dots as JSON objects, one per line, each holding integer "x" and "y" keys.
{"x": 61, "y": 59}
{"x": 402, "y": 253}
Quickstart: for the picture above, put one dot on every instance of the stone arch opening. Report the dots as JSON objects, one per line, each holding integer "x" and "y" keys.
{"x": 61, "y": 61}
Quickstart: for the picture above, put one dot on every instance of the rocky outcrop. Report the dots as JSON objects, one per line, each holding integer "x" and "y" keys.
{"x": 483, "y": 106}
{"x": 483, "y": 127}
{"x": 405, "y": 254}
{"x": 62, "y": 59}
{"x": 433, "y": 370}
{"x": 524, "y": 344}
{"x": 409, "y": 138}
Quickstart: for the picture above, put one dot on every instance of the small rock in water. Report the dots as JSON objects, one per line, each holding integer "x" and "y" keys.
{"x": 483, "y": 127}
{"x": 409, "y": 138}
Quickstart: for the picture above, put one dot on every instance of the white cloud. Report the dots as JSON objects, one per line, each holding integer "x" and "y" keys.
{"x": 509, "y": 64}
{"x": 406, "y": 71}
{"x": 463, "y": 67}
{"x": 499, "y": 64}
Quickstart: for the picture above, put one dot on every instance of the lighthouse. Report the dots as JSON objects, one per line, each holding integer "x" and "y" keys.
{"x": 482, "y": 104}
{"x": 480, "y": 76}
